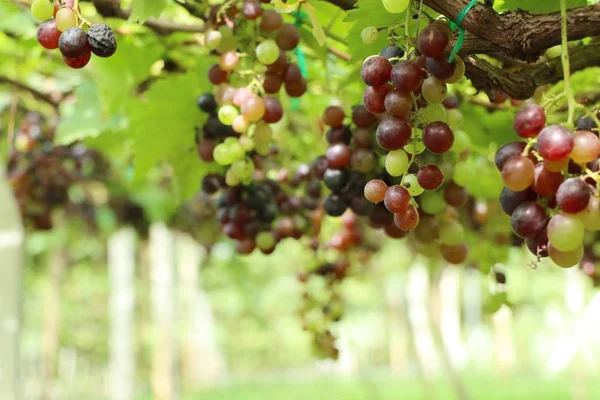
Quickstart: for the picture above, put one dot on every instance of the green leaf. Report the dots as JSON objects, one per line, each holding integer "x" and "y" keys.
{"x": 144, "y": 9}
{"x": 82, "y": 118}
{"x": 162, "y": 127}
{"x": 317, "y": 29}
{"x": 284, "y": 7}
{"x": 535, "y": 6}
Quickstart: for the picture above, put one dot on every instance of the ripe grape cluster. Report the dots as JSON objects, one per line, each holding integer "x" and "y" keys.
{"x": 551, "y": 182}
{"x": 43, "y": 176}
{"x": 62, "y": 29}
{"x": 248, "y": 77}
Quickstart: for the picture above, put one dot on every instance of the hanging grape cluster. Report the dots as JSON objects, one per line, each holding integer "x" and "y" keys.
{"x": 63, "y": 29}
{"x": 551, "y": 180}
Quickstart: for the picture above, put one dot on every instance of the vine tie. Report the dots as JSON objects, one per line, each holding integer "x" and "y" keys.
{"x": 456, "y": 26}
{"x": 300, "y": 55}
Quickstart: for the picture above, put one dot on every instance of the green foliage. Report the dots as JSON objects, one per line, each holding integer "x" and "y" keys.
{"x": 144, "y": 9}
{"x": 535, "y": 6}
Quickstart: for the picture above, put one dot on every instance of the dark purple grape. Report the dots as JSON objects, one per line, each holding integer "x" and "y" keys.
{"x": 393, "y": 133}
{"x": 74, "y": 43}
{"x": 528, "y": 220}
{"x": 336, "y": 179}
{"x": 538, "y": 245}
{"x": 507, "y": 151}
{"x": 441, "y": 68}
{"x": 339, "y": 135}
{"x": 392, "y": 52}
{"x": 335, "y": 205}
{"x": 102, "y": 40}
{"x": 573, "y": 195}
{"x": 319, "y": 166}
{"x": 207, "y": 103}
{"x": 438, "y": 137}
{"x": 510, "y": 200}
{"x": 407, "y": 76}
{"x": 362, "y": 118}
{"x": 361, "y": 206}
{"x": 430, "y": 177}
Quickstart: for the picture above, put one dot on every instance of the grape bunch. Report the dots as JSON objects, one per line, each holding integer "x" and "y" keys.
{"x": 43, "y": 177}
{"x": 63, "y": 29}
{"x": 265, "y": 212}
{"x": 248, "y": 77}
{"x": 551, "y": 186}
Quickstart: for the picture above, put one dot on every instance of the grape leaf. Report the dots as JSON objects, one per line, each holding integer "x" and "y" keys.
{"x": 144, "y": 9}
{"x": 317, "y": 29}
{"x": 162, "y": 126}
{"x": 82, "y": 118}
{"x": 535, "y": 6}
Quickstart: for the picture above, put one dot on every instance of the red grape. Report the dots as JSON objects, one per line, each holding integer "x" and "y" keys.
{"x": 273, "y": 110}
{"x": 573, "y": 195}
{"x": 510, "y": 200}
{"x": 441, "y": 68}
{"x": 586, "y": 147}
{"x": 398, "y": 103}
{"x": 393, "y": 133}
{"x": 408, "y": 219}
{"x": 397, "y": 199}
{"x": 530, "y": 121}
{"x": 507, "y": 151}
{"x": 338, "y": 155}
{"x": 333, "y": 116}
{"x": 438, "y": 137}
{"x": 270, "y": 21}
{"x": 288, "y": 37}
{"x": 555, "y": 142}
{"x": 432, "y": 41}
{"x": 407, "y": 76}
{"x": 362, "y": 118}
{"x": 430, "y": 177}
{"x": 455, "y": 195}
{"x": 216, "y": 75}
{"x": 545, "y": 182}
{"x": 73, "y": 43}
{"x": 48, "y": 34}
{"x": 80, "y": 61}
{"x": 455, "y": 254}
{"x": 518, "y": 173}
{"x": 376, "y": 71}
{"x": 374, "y": 98}
{"x": 528, "y": 220}
{"x": 375, "y": 190}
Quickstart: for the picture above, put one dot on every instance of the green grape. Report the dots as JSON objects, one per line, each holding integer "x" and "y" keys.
{"x": 235, "y": 151}
{"x": 243, "y": 168}
{"x": 415, "y": 146}
{"x": 265, "y": 240}
{"x": 433, "y": 90}
{"x": 412, "y": 184}
{"x": 263, "y": 133}
{"x": 231, "y": 179}
{"x": 263, "y": 149}
{"x": 267, "y": 52}
{"x": 461, "y": 141}
{"x": 396, "y": 162}
{"x": 455, "y": 119}
{"x": 65, "y": 19}
{"x": 227, "y": 114}
{"x": 591, "y": 215}
{"x": 212, "y": 39}
{"x": 434, "y": 112}
{"x": 225, "y": 31}
{"x": 369, "y": 34}
{"x": 432, "y": 202}
{"x": 247, "y": 143}
{"x": 240, "y": 124}
{"x": 451, "y": 233}
{"x": 221, "y": 154}
{"x": 395, "y": 6}
{"x": 42, "y": 9}
{"x": 228, "y": 43}
{"x": 565, "y": 232}
{"x": 463, "y": 173}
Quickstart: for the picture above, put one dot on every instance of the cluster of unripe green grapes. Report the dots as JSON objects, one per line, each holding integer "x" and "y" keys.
{"x": 248, "y": 78}
{"x": 551, "y": 181}
{"x": 62, "y": 29}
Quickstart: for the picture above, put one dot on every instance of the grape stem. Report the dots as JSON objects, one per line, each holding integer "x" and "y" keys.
{"x": 566, "y": 65}
{"x": 78, "y": 14}
{"x": 530, "y": 143}
{"x": 406, "y": 29}
{"x": 590, "y": 114}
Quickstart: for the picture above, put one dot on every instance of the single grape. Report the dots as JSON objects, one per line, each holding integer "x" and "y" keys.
{"x": 270, "y": 21}
{"x": 333, "y": 116}
{"x": 396, "y": 162}
{"x": 375, "y": 190}
{"x": 363, "y": 160}
{"x": 406, "y": 76}
{"x": 555, "y": 142}
{"x": 369, "y": 34}
{"x": 455, "y": 254}
{"x": 362, "y": 138}
{"x": 296, "y": 89}
{"x": 573, "y": 195}
{"x": 216, "y": 75}
{"x": 434, "y": 112}
{"x": 433, "y": 90}
{"x": 565, "y": 232}
{"x": 395, "y": 6}
{"x": 253, "y": 108}
{"x": 376, "y": 71}
{"x": 239, "y": 123}
{"x": 528, "y": 220}
{"x": 273, "y": 110}
{"x": 432, "y": 202}
{"x": 338, "y": 155}
{"x": 65, "y": 19}
{"x": 241, "y": 95}
{"x": 432, "y": 41}
{"x": 335, "y": 205}
{"x": 415, "y": 146}
{"x": 228, "y": 61}
{"x": 272, "y": 83}
{"x": 227, "y": 114}
{"x": 246, "y": 143}
{"x": 267, "y": 52}
{"x": 586, "y": 147}
{"x": 430, "y": 177}
{"x": 411, "y": 182}
{"x": 48, "y": 34}
{"x": 102, "y": 40}
{"x": 530, "y": 121}
{"x": 455, "y": 120}
{"x": 398, "y": 103}
{"x": 397, "y": 199}
{"x": 42, "y": 9}
{"x": 441, "y": 68}
{"x": 288, "y": 37}
{"x": 438, "y": 137}
{"x": 538, "y": 245}
{"x": 451, "y": 233}
{"x": 565, "y": 259}
{"x": 455, "y": 195}
{"x": 336, "y": 179}
{"x": 362, "y": 118}
{"x": 205, "y": 150}
{"x": 374, "y": 98}
{"x": 518, "y": 173}
{"x": 342, "y": 134}
{"x": 279, "y": 66}
{"x": 73, "y": 43}
{"x": 393, "y": 133}
{"x": 545, "y": 182}
{"x": 407, "y": 220}
{"x": 252, "y": 9}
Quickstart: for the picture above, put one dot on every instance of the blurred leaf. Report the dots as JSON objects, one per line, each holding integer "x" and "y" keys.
{"x": 144, "y": 9}
{"x": 535, "y": 6}
{"x": 317, "y": 29}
